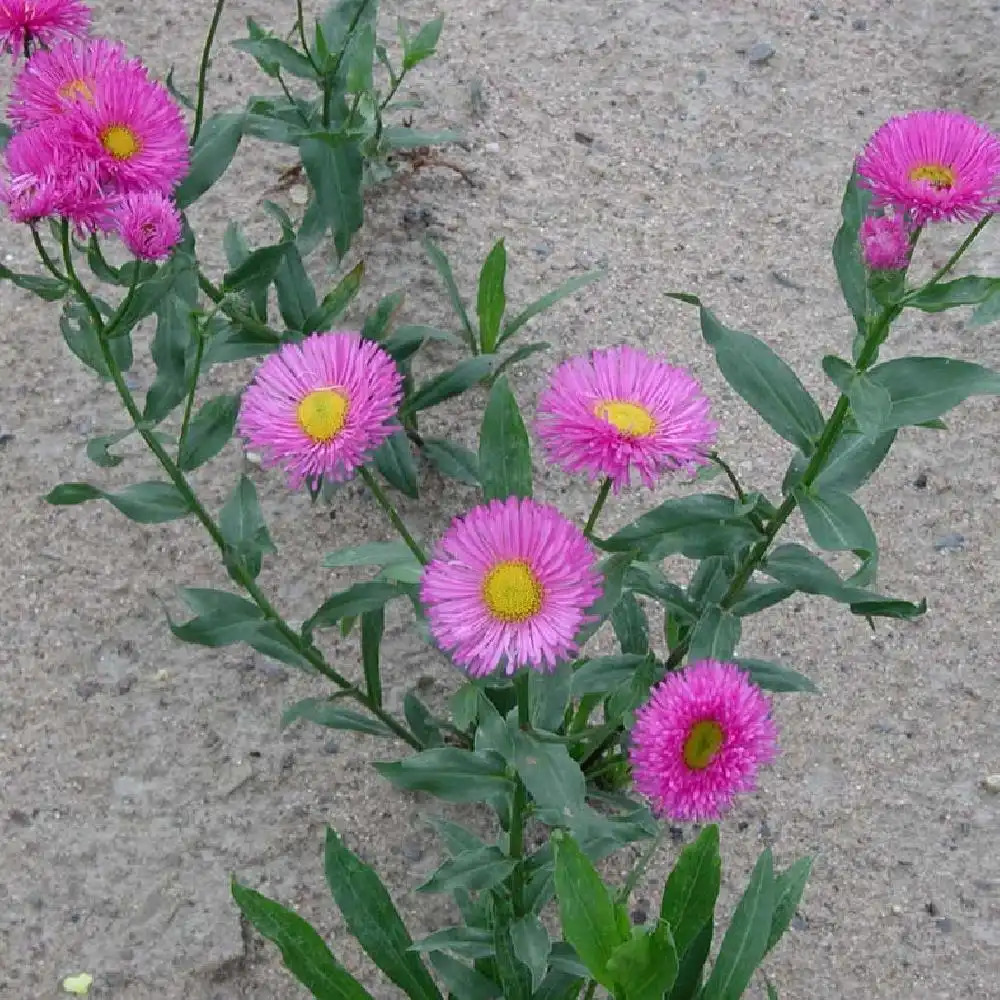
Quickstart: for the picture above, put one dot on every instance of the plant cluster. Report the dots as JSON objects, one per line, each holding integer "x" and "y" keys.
{"x": 597, "y": 750}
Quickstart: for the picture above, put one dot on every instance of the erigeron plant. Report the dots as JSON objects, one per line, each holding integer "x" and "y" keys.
{"x": 542, "y": 732}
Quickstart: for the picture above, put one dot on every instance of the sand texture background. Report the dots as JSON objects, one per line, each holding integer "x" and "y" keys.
{"x": 137, "y": 773}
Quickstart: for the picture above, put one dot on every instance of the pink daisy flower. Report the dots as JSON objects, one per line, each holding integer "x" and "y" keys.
{"x": 700, "y": 739}
{"x": 43, "y": 22}
{"x": 885, "y": 242}
{"x": 44, "y": 178}
{"x": 55, "y": 80}
{"x": 148, "y": 224}
{"x": 620, "y": 410}
{"x": 511, "y": 580}
{"x": 133, "y": 131}
{"x": 321, "y": 407}
{"x": 935, "y": 166}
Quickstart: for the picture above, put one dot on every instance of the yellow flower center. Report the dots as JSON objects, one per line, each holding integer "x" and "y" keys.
{"x": 935, "y": 174}
{"x": 76, "y": 88}
{"x": 120, "y": 141}
{"x": 702, "y": 744}
{"x": 629, "y": 418}
{"x": 322, "y": 414}
{"x": 512, "y": 591}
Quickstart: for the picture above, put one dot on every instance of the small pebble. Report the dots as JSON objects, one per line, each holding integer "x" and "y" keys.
{"x": 5, "y": 438}
{"x": 945, "y": 925}
{"x": 273, "y": 671}
{"x": 759, "y": 53}
{"x": 584, "y": 138}
{"x": 125, "y": 684}
{"x": 859, "y": 24}
{"x": 932, "y": 909}
{"x": 87, "y": 689}
{"x": 412, "y": 849}
{"x": 492, "y": 147}
{"x": 921, "y": 481}
{"x": 896, "y": 910}
{"x": 543, "y": 249}
{"x": 952, "y": 542}
{"x": 331, "y": 747}
{"x": 640, "y": 914}
{"x": 991, "y": 783}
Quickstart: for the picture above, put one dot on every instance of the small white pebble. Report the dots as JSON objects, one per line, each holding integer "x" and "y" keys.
{"x": 992, "y": 783}
{"x": 896, "y": 909}
{"x": 492, "y": 147}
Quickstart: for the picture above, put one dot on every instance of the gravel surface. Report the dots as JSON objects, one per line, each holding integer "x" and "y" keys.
{"x": 691, "y": 146}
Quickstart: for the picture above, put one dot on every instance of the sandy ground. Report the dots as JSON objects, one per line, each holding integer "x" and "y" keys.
{"x": 138, "y": 773}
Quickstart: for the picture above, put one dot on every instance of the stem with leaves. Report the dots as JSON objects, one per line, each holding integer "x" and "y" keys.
{"x": 595, "y": 511}
{"x": 236, "y": 570}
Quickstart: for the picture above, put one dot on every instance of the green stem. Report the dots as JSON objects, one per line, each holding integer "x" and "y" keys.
{"x": 395, "y": 85}
{"x": 717, "y": 459}
{"x": 239, "y": 574}
{"x": 110, "y": 329}
{"x": 199, "y": 353}
{"x": 952, "y": 260}
{"x": 595, "y": 511}
{"x": 300, "y": 23}
{"x": 397, "y": 522}
{"x": 519, "y": 801}
{"x": 46, "y": 259}
{"x": 206, "y": 56}
{"x": 236, "y": 314}
{"x": 640, "y": 866}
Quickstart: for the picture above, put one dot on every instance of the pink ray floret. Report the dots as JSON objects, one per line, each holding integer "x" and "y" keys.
{"x": 712, "y": 697}
{"x": 535, "y": 545}
{"x": 133, "y": 130}
{"x": 621, "y": 412}
{"x": 43, "y": 177}
{"x": 148, "y": 224}
{"x": 933, "y": 166}
{"x": 885, "y": 242}
{"x": 357, "y": 370}
{"x": 41, "y": 22}
{"x": 53, "y": 81}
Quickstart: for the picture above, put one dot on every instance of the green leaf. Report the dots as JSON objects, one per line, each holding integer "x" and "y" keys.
{"x": 335, "y": 171}
{"x": 369, "y": 554}
{"x": 514, "y": 975}
{"x": 605, "y": 673}
{"x": 354, "y": 601}
{"x": 587, "y": 913}
{"x": 788, "y": 888}
{"x": 272, "y": 52}
{"x": 451, "y": 382}
{"x": 217, "y": 143}
{"x": 692, "y": 888}
{"x": 847, "y": 257}
{"x": 532, "y": 947}
{"x": 47, "y": 289}
{"x": 474, "y": 871}
{"x": 757, "y": 596}
{"x": 467, "y": 942}
{"x": 835, "y": 522}
{"x": 493, "y": 733}
{"x": 325, "y": 712}
{"x": 504, "y": 451}
{"x": 402, "y": 137}
{"x": 546, "y": 302}
{"x": 296, "y": 293}
{"x": 766, "y": 382}
{"x": 406, "y": 340}
{"x": 692, "y": 963}
{"x": 548, "y": 696}
{"x": 492, "y": 300}
{"x": 461, "y": 981}
{"x": 443, "y": 268}
{"x": 372, "y": 626}
{"x": 924, "y": 388}
{"x": 305, "y": 954}
{"x": 870, "y": 403}
{"x": 525, "y": 351}
{"x": 82, "y": 339}
{"x": 97, "y": 449}
{"x": 238, "y": 251}
{"x": 394, "y": 460}
{"x": 242, "y": 524}
{"x": 645, "y": 966}
{"x": 380, "y": 319}
{"x": 221, "y": 618}
{"x": 336, "y": 301}
{"x": 452, "y": 460}
{"x": 451, "y": 774}
{"x": 257, "y": 270}
{"x": 421, "y": 722}
{"x": 629, "y": 623}
{"x": 613, "y": 570}
{"x": 686, "y": 516}
{"x": 423, "y": 44}
{"x": 715, "y": 636}
{"x": 745, "y": 942}
{"x": 775, "y": 677}
{"x": 146, "y": 503}
{"x": 553, "y": 779}
{"x": 209, "y": 432}
{"x": 850, "y": 465}
{"x": 374, "y": 921}
{"x": 968, "y": 291}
